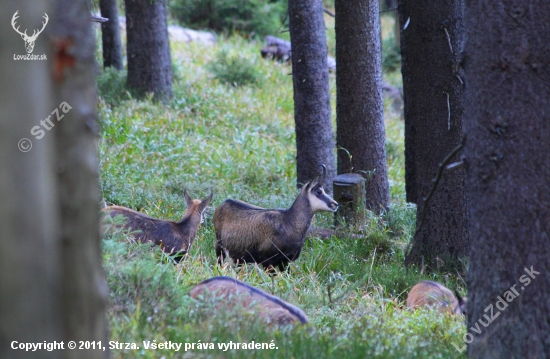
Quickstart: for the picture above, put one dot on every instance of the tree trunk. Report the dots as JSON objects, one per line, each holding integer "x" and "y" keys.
{"x": 29, "y": 256}
{"x": 83, "y": 287}
{"x": 507, "y": 123}
{"x": 110, "y": 35}
{"x": 359, "y": 107}
{"x": 51, "y": 282}
{"x": 314, "y": 135}
{"x": 433, "y": 91}
{"x": 148, "y": 48}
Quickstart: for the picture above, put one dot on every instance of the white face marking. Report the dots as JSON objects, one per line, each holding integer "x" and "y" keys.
{"x": 320, "y": 201}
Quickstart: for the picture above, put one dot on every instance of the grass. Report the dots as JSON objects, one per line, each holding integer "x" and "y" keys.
{"x": 239, "y": 141}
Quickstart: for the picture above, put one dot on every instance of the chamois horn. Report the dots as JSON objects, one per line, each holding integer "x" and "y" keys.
{"x": 324, "y": 170}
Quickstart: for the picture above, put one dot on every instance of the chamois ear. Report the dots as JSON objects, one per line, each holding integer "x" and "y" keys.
{"x": 319, "y": 179}
{"x": 188, "y": 199}
{"x": 205, "y": 202}
{"x": 462, "y": 301}
{"x": 312, "y": 183}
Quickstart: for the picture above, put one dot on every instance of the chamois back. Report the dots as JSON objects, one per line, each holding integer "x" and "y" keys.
{"x": 427, "y": 293}
{"x": 173, "y": 237}
{"x": 233, "y": 296}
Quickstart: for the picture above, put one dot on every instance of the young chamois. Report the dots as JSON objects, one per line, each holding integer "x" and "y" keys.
{"x": 271, "y": 237}
{"x": 230, "y": 295}
{"x": 427, "y": 293}
{"x": 173, "y": 237}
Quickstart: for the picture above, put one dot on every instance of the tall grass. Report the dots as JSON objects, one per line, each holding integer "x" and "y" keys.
{"x": 239, "y": 141}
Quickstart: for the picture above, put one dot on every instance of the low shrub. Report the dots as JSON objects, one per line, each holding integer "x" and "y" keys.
{"x": 260, "y": 17}
{"x": 234, "y": 70}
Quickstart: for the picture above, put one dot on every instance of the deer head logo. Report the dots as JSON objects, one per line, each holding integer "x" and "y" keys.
{"x": 29, "y": 40}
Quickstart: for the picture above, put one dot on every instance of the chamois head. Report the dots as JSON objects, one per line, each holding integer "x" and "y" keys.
{"x": 196, "y": 207}
{"x": 318, "y": 199}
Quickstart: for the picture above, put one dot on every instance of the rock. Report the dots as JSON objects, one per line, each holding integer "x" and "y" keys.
{"x": 180, "y": 34}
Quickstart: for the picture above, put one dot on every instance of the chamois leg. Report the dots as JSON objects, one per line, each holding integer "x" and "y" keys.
{"x": 178, "y": 256}
{"x": 283, "y": 266}
{"x": 220, "y": 254}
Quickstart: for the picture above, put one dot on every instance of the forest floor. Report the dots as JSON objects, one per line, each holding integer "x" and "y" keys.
{"x": 239, "y": 141}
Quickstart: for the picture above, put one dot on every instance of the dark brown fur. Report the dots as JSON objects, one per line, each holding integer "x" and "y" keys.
{"x": 427, "y": 293}
{"x": 230, "y": 295}
{"x": 271, "y": 237}
{"x": 172, "y": 237}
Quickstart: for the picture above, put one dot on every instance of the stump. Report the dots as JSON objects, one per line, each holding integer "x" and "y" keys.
{"x": 349, "y": 192}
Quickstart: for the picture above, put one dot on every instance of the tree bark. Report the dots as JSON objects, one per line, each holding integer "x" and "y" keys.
{"x": 359, "y": 106}
{"x": 148, "y": 48}
{"x": 29, "y": 257}
{"x": 507, "y": 123}
{"x": 433, "y": 91}
{"x": 314, "y": 134}
{"x": 110, "y": 35}
{"x": 52, "y": 286}
{"x": 83, "y": 288}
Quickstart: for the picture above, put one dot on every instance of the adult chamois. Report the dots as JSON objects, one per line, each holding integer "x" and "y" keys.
{"x": 271, "y": 237}
{"x": 229, "y": 295}
{"x": 174, "y": 238}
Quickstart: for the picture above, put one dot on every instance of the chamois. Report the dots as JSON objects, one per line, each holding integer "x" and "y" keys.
{"x": 173, "y": 237}
{"x": 427, "y": 293}
{"x": 271, "y": 237}
{"x": 230, "y": 295}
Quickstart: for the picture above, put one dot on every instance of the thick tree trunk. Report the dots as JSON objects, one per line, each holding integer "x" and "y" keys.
{"x": 83, "y": 287}
{"x": 507, "y": 124}
{"x": 51, "y": 282}
{"x": 433, "y": 90}
{"x": 359, "y": 107}
{"x": 110, "y": 35}
{"x": 148, "y": 48}
{"x": 29, "y": 257}
{"x": 314, "y": 134}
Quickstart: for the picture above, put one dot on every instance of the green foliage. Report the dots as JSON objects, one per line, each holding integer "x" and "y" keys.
{"x": 239, "y": 141}
{"x": 234, "y": 70}
{"x": 391, "y": 55}
{"x": 176, "y": 71}
{"x": 111, "y": 85}
{"x": 261, "y": 17}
